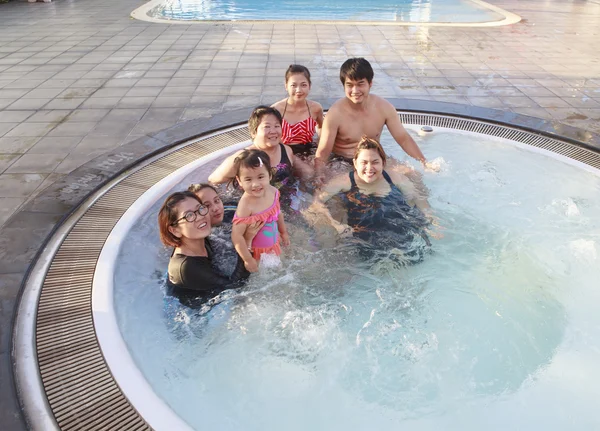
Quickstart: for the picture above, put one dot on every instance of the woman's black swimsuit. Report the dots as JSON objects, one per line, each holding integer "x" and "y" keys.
{"x": 386, "y": 222}
{"x": 194, "y": 279}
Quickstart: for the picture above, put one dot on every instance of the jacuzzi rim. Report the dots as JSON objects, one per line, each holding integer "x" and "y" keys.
{"x": 141, "y": 13}
{"x": 36, "y": 417}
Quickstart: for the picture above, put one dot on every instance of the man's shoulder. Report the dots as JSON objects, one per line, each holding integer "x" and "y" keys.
{"x": 380, "y": 102}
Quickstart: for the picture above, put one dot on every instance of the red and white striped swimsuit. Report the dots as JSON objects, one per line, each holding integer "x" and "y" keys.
{"x": 301, "y": 132}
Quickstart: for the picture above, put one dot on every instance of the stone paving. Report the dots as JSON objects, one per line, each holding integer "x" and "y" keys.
{"x": 78, "y": 78}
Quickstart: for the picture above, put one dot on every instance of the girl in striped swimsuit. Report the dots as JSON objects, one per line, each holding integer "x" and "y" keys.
{"x": 301, "y": 116}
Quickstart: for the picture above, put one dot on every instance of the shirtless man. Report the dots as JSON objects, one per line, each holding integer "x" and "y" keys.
{"x": 359, "y": 114}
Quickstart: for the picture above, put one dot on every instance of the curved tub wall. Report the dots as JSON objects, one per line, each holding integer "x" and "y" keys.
{"x": 75, "y": 370}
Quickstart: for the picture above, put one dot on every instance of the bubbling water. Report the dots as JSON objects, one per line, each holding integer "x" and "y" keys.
{"x": 477, "y": 334}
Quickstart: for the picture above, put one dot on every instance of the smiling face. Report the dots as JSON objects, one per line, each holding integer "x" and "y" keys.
{"x": 189, "y": 231}
{"x": 369, "y": 165}
{"x": 211, "y": 200}
{"x": 297, "y": 87}
{"x": 254, "y": 181}
{"x": 268, "y": 132}
{"x": 357, "y": 91}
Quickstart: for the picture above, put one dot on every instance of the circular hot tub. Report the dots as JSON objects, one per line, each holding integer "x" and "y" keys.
{"x": 496, "y": 326}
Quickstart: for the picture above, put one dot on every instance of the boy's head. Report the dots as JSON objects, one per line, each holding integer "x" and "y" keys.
{"x": 356, "y": 69}
{"x": 257, "y": 116}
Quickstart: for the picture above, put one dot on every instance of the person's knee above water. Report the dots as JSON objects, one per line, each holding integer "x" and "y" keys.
{"x": 378, "y": 203}
{"x": 264, "y": 125}
{"x": 301, "y": 117}
{"x": 184, "y": 224}
{"x": 359, "y": 114}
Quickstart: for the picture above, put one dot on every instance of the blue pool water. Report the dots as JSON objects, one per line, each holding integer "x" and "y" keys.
{"x": 430, "y": 11}
{"x": 496, "y": 329}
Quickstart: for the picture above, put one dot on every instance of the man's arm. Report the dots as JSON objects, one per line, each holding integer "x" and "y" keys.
{"x": 400, "y": 135}
{"x": 326, "y": 142}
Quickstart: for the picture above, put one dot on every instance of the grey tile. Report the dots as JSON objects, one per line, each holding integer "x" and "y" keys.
{"x": 120, "y": 83}
{"x": 125, "y": 115}
{"x": 19, "y": 185}
{"x": 76, "y": 93}
{"x": 112, "y": 128}
{"x": 49, "y": 116}
{"x": 144, "y": 91}
{"x": 8, "y": 206}
{"x": 135, "y": 102}
{"x": 97, "y": 145}
{"x": 15, "y": 116}
{"x": 17, "y": 144}
{"x": 65, "y": 103}
{"x": 29, "y": 103}
{"x": 163, "y": 114}
{"x": 6, "y": 160}
{"x": 74, "y": 160}
{"x": 31, "y": 129}
{"x": 43, "y": 93}
{"x": 35, "y": 164}
{"x": 87, "y": 115}
{"x": 73, "y": 128}
{"x": 101, "y": 102}
{"x": 111, "y": 92}
{"x": 171, "y": 102}
{"x": 57, "y": 145}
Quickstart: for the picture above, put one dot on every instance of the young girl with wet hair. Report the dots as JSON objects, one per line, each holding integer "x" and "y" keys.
{"x": 260, "y": 202}
{"x": 301, "y": 117}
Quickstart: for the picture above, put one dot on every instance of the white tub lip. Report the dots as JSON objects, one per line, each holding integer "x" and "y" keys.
{"x": 141, "y": 13}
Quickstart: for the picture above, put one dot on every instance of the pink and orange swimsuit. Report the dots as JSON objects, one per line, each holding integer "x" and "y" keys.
{"x": 267, "y": 239}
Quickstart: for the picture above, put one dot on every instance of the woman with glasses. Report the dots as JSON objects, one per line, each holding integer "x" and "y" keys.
{"x": 184, "y": 224}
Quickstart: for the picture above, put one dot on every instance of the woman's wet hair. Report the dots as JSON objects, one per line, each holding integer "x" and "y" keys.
{"x": 356, "y": 69}
{"x": 257, "y": 115}
{"x": 252, "y": 159}
{"x": 370, "y": 144}
{"x": 197, "y": 188}
{"x": 297, "y": 68}
{"x": 167, "y": 215}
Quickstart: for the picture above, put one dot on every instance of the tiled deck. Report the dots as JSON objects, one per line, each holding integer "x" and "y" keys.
{"x": 80, "y": 78}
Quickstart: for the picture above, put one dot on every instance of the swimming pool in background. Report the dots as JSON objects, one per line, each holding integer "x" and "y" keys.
{"x": 496, "y": 329}
{"x": 413, "y": 11}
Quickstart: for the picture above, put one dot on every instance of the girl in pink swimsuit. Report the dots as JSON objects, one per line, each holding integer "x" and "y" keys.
{"x": 259, "y": 203}
{"x": 301, "y": 116}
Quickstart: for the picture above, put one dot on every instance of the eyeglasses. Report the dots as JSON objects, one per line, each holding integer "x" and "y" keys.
{"x": 191, "y": 216}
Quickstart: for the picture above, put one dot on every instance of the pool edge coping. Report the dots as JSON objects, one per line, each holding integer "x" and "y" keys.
{"x": 141, "y": 14}
{"x": 170, "y": 138}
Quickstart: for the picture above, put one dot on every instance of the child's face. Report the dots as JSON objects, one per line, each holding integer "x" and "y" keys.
{"x": 254, "y": 181}
{"x": 268, "y": 133}
{"x": 297, "y": 86}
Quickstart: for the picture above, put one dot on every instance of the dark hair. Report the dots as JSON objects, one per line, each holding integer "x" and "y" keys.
{"x": 257, "y": 115}
{"x": 196, "y": 188}
{"x": 356, "y": 69}
{"x": 167, "y": 215}
{"x": 297, "y": 68}
{"x": 252, "y": 159}
{"x": 370, "y": 144}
